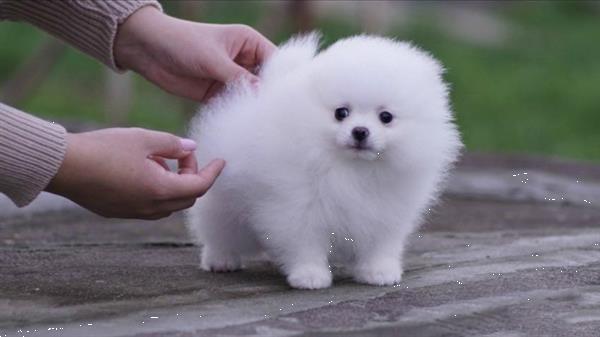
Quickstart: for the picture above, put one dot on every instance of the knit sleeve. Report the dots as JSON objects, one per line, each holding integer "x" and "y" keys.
{"x": 31, "y": 152}
{"x": 89, "y": 25}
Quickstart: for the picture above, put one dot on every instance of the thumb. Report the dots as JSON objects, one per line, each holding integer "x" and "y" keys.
{"x": 168, "y": 146}
{"x": 229, "y": 71}
{"x": 194, "y": 185}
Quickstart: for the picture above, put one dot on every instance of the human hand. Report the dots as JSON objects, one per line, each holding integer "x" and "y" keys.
{"x": 188, "y": 59}
{"x": 122, "y": 173}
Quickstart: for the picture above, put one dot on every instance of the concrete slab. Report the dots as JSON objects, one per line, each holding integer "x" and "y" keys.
{"x": 489, "y": 262}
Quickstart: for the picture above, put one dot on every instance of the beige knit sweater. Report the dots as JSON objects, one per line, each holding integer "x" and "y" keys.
{"x": 32, "y": 150}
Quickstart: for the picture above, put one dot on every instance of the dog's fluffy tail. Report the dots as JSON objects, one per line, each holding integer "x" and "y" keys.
{"x": 294, "y": 53}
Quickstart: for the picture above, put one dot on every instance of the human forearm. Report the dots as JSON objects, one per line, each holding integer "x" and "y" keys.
{"x": 89, "y": 25}
{"x": 31, "y": 152}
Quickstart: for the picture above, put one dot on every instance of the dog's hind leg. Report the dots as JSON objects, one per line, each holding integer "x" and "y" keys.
{"x": 223, "y": 234}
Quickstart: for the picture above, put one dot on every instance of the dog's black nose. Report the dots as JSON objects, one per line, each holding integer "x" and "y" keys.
{"x": 360, "y": 133}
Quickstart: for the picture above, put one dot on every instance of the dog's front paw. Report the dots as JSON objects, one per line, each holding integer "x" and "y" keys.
{"x": 310, "y": 277}
{"x": 220, "y": 262}
{"x": 381, "y": 273}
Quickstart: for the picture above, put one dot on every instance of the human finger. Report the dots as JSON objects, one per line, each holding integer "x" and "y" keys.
{"x": 180, "y": 186}
{"x": 167, "y": 145}
{"x": 255, "y": 47}
{"x": 193, "y": 88}
{"x": 264, "y": 49}
{"x": 177, "y": 205}
{"x": 160, "y": 161}
{"x": 213, "y": 90}
{"x": 188, "y": 164}
{"x": 227, "y": 70}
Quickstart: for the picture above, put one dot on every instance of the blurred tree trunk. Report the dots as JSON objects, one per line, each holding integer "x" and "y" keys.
{"x": 285, "y": 17}
{"x": 273, "y": 19}
{"x": 376, "y": 17}
{"x": 30, "y": 75}
{"x": 190, "y": 10}
{"x": 300, "y": 13}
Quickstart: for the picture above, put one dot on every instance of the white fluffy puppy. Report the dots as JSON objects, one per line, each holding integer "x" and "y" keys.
{"x": 337, "y": 151}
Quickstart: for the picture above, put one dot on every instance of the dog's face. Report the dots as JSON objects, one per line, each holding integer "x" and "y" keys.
{"x": 361, "y": 131}
{"x": 373, "y": 94}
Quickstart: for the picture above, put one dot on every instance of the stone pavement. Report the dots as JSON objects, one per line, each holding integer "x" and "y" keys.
{"x": 513, "y": 250}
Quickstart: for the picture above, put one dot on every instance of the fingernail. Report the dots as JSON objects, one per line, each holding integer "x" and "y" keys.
{"x": 255, "y": 81}
{"x": 187, "y": 144}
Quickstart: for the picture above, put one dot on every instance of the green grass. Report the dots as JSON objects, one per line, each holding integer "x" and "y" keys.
{"x": 536, "y": 93}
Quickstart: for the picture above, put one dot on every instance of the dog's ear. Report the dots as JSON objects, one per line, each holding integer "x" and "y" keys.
{"x": 293, "y": 53}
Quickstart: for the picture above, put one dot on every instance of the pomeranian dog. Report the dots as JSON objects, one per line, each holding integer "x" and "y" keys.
{"x": 336, "y": 153}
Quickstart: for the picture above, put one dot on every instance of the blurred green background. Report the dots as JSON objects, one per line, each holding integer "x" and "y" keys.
{"x": 525, "y": 76}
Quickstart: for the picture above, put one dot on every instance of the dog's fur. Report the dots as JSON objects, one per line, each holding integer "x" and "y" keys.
{"x": 299, "y": 186}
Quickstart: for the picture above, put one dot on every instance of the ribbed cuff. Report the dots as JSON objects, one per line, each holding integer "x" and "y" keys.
{"x": 31, "y": 152}
{"x": 89, "y": 25}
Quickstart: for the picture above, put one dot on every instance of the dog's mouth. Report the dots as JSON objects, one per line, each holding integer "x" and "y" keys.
{"x": 361, "y": 150}
{"x": 364, "y": 151}
{"x": 360, "y": 147}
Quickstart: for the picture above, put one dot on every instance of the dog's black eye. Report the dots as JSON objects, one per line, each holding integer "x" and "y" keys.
{"x": 341, "y": 113}
{"x": 385, "y": 117}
